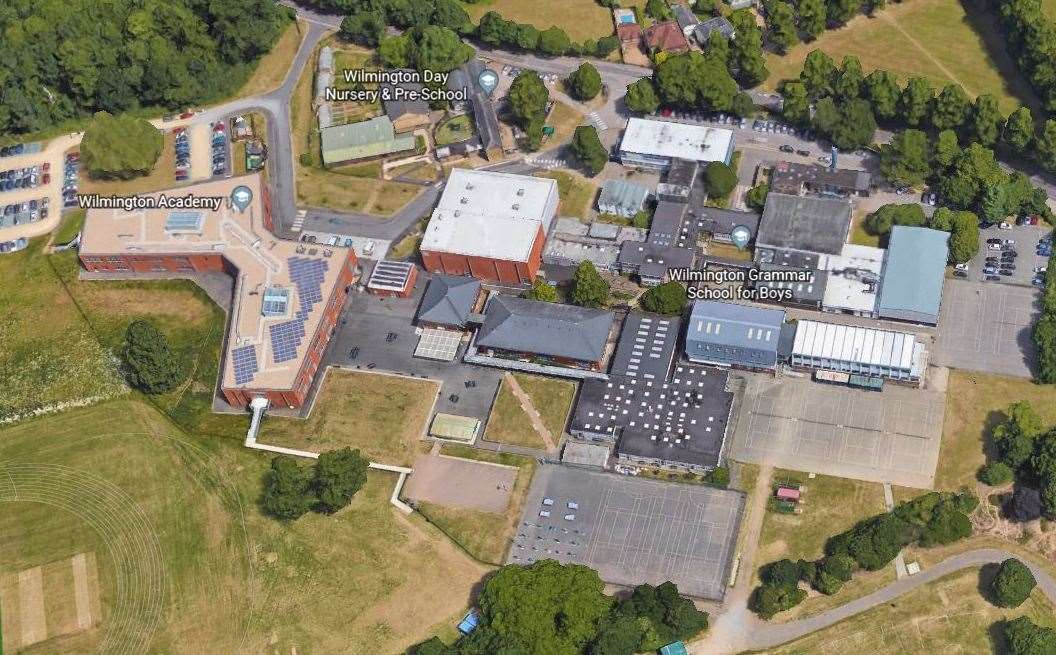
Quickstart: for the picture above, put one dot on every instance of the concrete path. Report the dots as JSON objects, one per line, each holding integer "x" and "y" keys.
{"x": 753, "y": 633}
{"x": 533, "y": 414}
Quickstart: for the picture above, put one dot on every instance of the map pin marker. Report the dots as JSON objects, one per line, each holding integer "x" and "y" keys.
{"x": 241, "y": 197}
{"x": 740, "y": 236}
{"x": 488, "y": 80}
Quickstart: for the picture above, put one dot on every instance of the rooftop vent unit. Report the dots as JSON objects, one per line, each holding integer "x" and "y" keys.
{"x": 520, "y": 192}
{"x": 464, "y": 200}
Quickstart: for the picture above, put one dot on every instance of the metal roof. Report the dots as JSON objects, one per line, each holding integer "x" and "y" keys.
{"x": 627, "y": 196}
{"x": 915, "y": 271}
{"x": 545, "y": 328}
{"x": 848, "y": 343}
{"x": 390, "y": 275}
{"x": 730, "y": 324}
{"x": 647, "y": 346}
{"x": 369, "y": 138}
{"x": 680, "y": 140}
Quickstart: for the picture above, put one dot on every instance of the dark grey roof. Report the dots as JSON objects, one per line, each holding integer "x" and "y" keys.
{"x": 685, "y": 16}
{"x": 792, "y": 177}
{"x": 718, "y": 24}
{"x": 448, "y": 300}
{"x": 804, "y": 223}
{"x": 811, "y": 292}
{"x": 787, "y": 258}
{"x": 646, "y": 347}
{"x": 720, "y": 221}
{"x": 666, "y": 223}
{"x": 396, "y": 108}
{"x": 545, "y": 328}
{"x": 484, "y": 114}
{"x": 651, "y": 260}
{"x": 682, "y": 172}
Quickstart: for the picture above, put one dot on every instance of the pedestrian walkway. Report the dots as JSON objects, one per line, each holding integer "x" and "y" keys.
{"x": 597, "y": 122}
{"x": 900, "y": 560}
{"x": 298, "y": 221}
{"x": 546, "y": 163}
{"x": 533, "y": 414}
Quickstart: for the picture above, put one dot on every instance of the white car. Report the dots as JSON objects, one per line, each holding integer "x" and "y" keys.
{"x": 1005, "y": 226}
{"x": 993, "y": 246}
{"x": 962, "y": 267}
{"x": 1041, "y": 269}
{"x": 548, "y": 501}
{"x": 544, "y": 513}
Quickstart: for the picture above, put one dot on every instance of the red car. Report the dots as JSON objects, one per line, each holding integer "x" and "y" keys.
{"x": 219, "y": 127}
{"x": 187, "y": 114}
{"x": 45, "y": 178}
{"x": 666, "y": 112}
{"x": 45, "y": 167}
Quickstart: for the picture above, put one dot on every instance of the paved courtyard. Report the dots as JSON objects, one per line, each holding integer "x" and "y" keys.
{"x": 631, "y": 530}
{"x": 464, "y": 483}
{"x": 891, "y": 436}
{"x": 985, "y": 326}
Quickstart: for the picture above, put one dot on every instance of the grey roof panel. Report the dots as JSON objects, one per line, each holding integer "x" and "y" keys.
{"x": 545, "y": 328}
{"x": 914, "y": 273}
{"x": 448, "y": 300}
{"x": 804, "y": 223}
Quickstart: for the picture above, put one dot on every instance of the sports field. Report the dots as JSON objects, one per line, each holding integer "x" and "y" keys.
{"x": 580, "y": 19}
{"x": 945, "y": 616}
{"x": 942, "y": 40}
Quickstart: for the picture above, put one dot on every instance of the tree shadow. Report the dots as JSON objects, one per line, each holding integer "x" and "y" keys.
{"x": 986, "y": 23}
{"x": 987, "y": 573}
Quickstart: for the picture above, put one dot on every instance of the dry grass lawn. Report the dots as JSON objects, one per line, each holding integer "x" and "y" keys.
{"x": 975, "y": 403}
{"x": 381, "y": 415}
{"x": 564, "y": 120}
{"x": 942, "y": 40}
{"x": 484, "y": 535}
{"x": 948, "y": 615}
{"x": 830, "y": 505}
{"x": 510, "y": 424}
{"x": 581, "y": 19}
{"x": 575, "y": 193}
{"x": 272, "y": 68}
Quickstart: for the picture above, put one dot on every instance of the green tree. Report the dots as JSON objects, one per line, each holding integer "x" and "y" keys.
{"x": 152, "y": 366}
{"x": 585, "y": 82}
{"x": 951, "y": 108}
{"x": 718, "y": 47}
{"x": 554, "y": 608}
{"x": 433, "y": 646}
{"x": 606, "y": 46}
{"x": 915, "y": 102}
{"x": 692, "y": 80}
{"x": 781, "y": 19}
{"x": 365, "y": 28}
{"x": 993, "y": 206}
{"x": 554, "y": 41}
{"x": 667, "y": 298}
{"x": 1024, "y": 637}
{"x": 542, "y": 291}
{"x": 339, "y": 474}
{"x": 588, "y": 288}
{"x": 496, "y": 30}
{"x": 841, "y": 11}
{"x": 964, "y": 237}
{"x": 849, "y": 126}
{"x": 440, "y": 49}
{"x": 658, "y": 9}
{"x": 996, "y": 474}
{"x": 618, "y": 634}
{"x": 782, "y": 573}
{"x": 587, "y": 148}
{"x": 1048, "y": 498}
{"x": 796, "y": 106}
{"x": 667, "y": 615}
{"x": 746, "y": 51}
{"x": 1015, "y": 436}
{"x": 742, "y": 105}
{"x": 986, "y": 120}
{"x": 947, "y": 151}
{"x": 768, "y": 600}
{"x": 811, "y": 18}
{"x": 450, "y": 14}
{"x": 641, "y": 96}
{"x": 818, "y": 74}
{"x": 1019, "y": 131}
{"x": 906, "y": 160}
{"x": 1045, "y": 339}
{"x": 974, "y": 170}
{"x": 1012, "y": 584}
{"x": 396, "y": 51}
{"x": 287, "y": 491}
{"x": 526, "y": 36}
{"x": 120, "y": 147}
{"x": 849, "y": 81}
{"x": 1045, "y": 146}
{"x": 881, "y": 89}
{"x": 883, "y": 219}
{"x": 719, "y": 179}
{"x": 756, "y": 196}
{"x": 528, "y": 97}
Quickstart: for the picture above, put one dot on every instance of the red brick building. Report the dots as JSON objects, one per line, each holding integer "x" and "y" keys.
{"x": 287, "y": 296}
{"x": 392, "y": 279}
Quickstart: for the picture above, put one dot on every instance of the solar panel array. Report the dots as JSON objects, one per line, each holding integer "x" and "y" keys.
{"x": 244, "y": 359}
{"x": 307, "y": 275}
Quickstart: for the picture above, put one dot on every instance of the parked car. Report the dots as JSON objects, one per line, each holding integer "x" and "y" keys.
{"x": 1005, "y": 226}
{"x": 787, "y": 148}
{"x": 962, "y": 267}
{"x": 993, "y": 278}
{"x": 803, "y": 153}
{"x": 960, "y": 274}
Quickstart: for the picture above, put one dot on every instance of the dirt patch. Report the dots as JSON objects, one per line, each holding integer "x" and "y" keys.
{"x": 464, "y": 483}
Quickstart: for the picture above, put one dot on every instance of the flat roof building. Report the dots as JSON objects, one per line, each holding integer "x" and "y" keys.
{"x": 367, "y": 139}
{"x": 490, "y": 225}
{"x": 646, "y": 348}
{"x": 794, "y": 178}
{"x": 804, "y": 223}
{"x": 392, "y": 278}
{"x": 727, "y": 334}
{"x": 552, "y": 333}
{"x": 622, "y": 198}
{"x": 651, "y": 262}
{"x": 858, "y": 350}
{"x": 911, "y": 289}
{"x": 653, "y": 144}
{"x": 287, "y": 295}
{"x": 853, "y": 279}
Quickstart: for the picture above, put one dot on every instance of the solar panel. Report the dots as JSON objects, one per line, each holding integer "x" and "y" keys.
{"x": 184, "y": 222}
{"x": 244, "y": 360}
{"x": 307, "y": 275}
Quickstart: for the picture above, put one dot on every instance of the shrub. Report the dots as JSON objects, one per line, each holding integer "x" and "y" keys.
{"x": 996, "y": 474}
{"x": 1012, "y": 584}
{"x": 152, "y": 366}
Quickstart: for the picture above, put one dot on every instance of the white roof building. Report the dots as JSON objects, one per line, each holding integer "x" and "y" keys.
{"x": 489, "y": 214}
{"x": 653, "y": 143}
{"x": 852, "y": 349}
{"x": 853, "y": 281}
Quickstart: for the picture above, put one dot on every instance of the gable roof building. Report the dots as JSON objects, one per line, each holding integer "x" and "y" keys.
{"x": 622, "y": 198}
{"x": 665, "y": 36}
{"x": 564, "y": 333}
{"x": 449, "y": 300}
{"x": 911, "y": 288}
{"x": 728, "y": 334}
{"x": 702, "y": 31}
{"x": 363, "y": 140}
{"x": 404, "y": 112}
{"x": 686, "y": 19}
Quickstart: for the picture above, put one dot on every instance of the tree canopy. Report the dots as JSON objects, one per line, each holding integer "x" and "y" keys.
{"x": 287, "y": 491}
{"x": 587, "y": 147}
{"x": 589, "y": 289}
{"x": 883, "y": 219}
{"x": 641, "y": 96}
{"x": 666, "y": 298}
{"x": 585, "y": 82}
{"x": 339, "y": 474}
{"x": 120, "y": 147}
{"x": 152, "y": 366}
{"x": 1012, "y": 584}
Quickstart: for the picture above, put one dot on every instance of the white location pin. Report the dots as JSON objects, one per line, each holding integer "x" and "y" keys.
{"x": 241, "y": 197}
{"x": 740, "y": 236}
{"x": 488, "y": 80}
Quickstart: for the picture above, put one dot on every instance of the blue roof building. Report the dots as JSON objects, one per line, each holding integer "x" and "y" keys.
{"x": 911, "y": 285}
{"x": 469, "y": 622}
{"x": 727, "y": 334}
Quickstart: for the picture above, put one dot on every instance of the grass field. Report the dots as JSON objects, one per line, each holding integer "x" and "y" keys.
{"x": 942, "y": 40}
{"x": 454, "y": 129}
{"x": 510, "y": 424}
{"x": 224, "y": 578}
{"x": 858, "y": 234}
{"x": 69, "y": 227}
{"x": 564, "y": 120}
{"x": 581, "y": 19}
{"x": 945, "y": 616}
{"x": 381, "y": 415}
{"x": 333, "y": 189}
{"x": 272, "y": 68}
{"x": 830, "y": 505}
{"x": 575, "y": 193}
{"x": 485, "y": 535}
{"x": 975, "y": 403}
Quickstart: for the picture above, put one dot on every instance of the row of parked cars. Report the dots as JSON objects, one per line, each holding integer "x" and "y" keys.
{"x": 69, "y": 181}
{"x": 20, "y": 213}
{"x": 220, "y": 149}
{"x": 1044, "y": 249}
{"x": 25, "y": 178}
{"x": 183, "y": 154}
{"x": 19, "y": 149}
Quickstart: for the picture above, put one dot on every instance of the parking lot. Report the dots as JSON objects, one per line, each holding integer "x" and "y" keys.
{"x": 890, "y": 436}
{"x": 986, "y": 326}
{"x": 1026, "y": 261}
{"x": 366, "y": 324}
{"x": 631, "y": 530}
